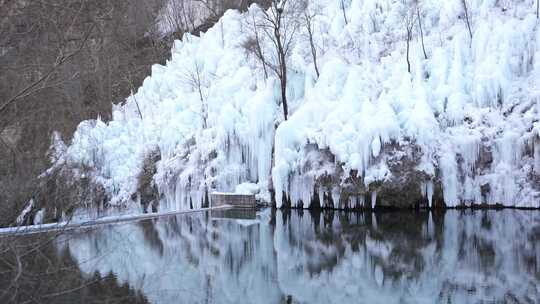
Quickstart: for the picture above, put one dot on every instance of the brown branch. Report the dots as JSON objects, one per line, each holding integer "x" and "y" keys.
{"x": 420, "y": 28}
{"x": 467, "y": 21}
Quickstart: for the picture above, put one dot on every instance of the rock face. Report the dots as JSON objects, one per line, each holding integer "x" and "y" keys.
{"x": 401, "y": 183}
{"x": 146, "y": 189}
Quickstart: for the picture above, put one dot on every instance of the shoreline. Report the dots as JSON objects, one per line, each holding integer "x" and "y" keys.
{"x": 65, "y": 226}
{"x": 108, "y": 220}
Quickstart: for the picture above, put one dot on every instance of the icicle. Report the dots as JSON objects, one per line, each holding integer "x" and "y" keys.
{"x": 321, "y": 196}
{"x": 376, "y": 146}
{"x": 361, "y": 201}
{"x": 510, "y": 148}
{"x": 279, "y": 198}
{"x": 469, "y": 149}
{"x": 426, "y": 188}
{"x": 379, "y": 275}
{"x": 449, "y": 170}
{"x": 38, "y": 219}
{"x": 373, "y": 199}
{"x": 307, "y": 190}
{"x": 429, "y": 193}
{"x": 336, "y": 194}
{"x": 25, "y": 211}
{"x": 351, "y": 202}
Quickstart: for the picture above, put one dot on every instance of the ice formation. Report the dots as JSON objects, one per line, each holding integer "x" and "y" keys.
{"x": 470, "y": 111}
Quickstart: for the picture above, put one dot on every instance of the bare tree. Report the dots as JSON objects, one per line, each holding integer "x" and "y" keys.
{"x": 537, "y": 9}
{"x": 128, "y": 78}
{"x": 419, "y": 17}
{"x": 196, "y": 78}
{"x": 179, "y": 17}
{"x": 467, "y": 18}
{"x": 409, "y": 19}
{"x": 253, "y": 44}
{"x": 307, "y": 18}
{"x": 279, "y": 25}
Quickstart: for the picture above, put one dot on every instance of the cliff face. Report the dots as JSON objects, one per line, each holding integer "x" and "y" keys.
{"x": 34, "y": 36}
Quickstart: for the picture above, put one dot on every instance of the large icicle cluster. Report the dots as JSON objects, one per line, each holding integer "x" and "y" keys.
{"x": 168, "y": 114}
{"x": 468, "y": 113}
{"x": 471, "y": 106}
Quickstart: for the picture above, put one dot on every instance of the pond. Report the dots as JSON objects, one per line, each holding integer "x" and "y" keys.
{"x": 295, "y": 256}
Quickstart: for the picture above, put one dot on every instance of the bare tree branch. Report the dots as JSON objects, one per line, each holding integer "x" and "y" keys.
{"x": 467, "y": 21}
{"x": 419, "y": 18}
{"x": 279, "y": 24}
{"x": 33, "y": 87}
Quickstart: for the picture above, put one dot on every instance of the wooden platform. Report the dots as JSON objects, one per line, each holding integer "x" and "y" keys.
{"x": 233, "y": 199}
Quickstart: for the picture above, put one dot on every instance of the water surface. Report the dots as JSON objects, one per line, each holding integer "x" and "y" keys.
{"x": 329, "y": 257}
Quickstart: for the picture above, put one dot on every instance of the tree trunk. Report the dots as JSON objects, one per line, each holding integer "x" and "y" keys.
{"x": 343, "y": 11}
{"x": 421, "y": 31}
{"x": 314, "y": 54}
{"x": 464, "y": 2}
{"x": 282, "y": 63}
{"x": 409, "y": 34}
{"x": 283, "y": 79}
{"x": 284, "y": 96}
{"x": 312, "y": 45}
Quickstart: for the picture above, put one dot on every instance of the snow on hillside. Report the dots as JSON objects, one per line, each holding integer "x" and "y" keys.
{"x": 466, "y": 117}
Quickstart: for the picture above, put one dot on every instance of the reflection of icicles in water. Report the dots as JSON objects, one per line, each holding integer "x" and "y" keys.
{"x": 428, "y": 229}
{"x": 427, "y": 191}
{"x": 330, "y": 257}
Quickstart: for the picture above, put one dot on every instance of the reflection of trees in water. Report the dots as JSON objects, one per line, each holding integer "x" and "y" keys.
{"x": 457, "y": 255}
{"x": 329, "y": 257}
{"x": 34, "y": 270}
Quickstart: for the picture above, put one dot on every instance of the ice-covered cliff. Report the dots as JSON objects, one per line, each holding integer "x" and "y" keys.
{"x": 461, "y": 128}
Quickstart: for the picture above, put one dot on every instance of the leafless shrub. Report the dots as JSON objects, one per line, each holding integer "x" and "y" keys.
{"x": 199, "y": 81}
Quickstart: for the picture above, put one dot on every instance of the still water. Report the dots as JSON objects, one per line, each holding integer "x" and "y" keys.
{"x": 312, "y": 257}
